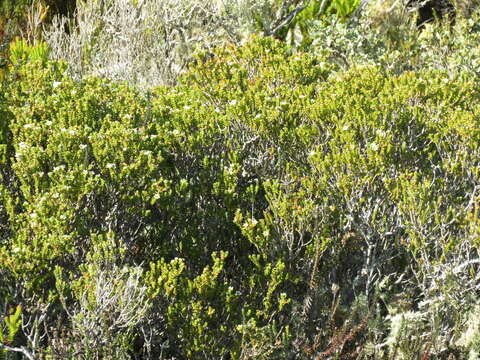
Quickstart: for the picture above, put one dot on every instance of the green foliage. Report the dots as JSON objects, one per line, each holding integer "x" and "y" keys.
{"x": 355, "y": 176}
{"x": 197, "y": 310}
{"x": 12, "y": 323}
{"x": 245, "y": 209}
{"x": 22, "y": 53}
{"x": 343, "y": 8}
{"x": 9, "y": 328}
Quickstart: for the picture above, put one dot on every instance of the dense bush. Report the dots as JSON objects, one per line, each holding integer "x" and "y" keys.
{"x": 271, "y": 205}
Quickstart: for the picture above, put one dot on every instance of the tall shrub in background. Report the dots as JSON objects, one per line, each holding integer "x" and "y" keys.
{"x": 150, "y": 42}
{"x": 146, "y": 42}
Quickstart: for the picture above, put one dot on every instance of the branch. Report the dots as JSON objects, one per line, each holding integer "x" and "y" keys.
{"x": 18, "y": 349}
{"x": 286, "y": 20}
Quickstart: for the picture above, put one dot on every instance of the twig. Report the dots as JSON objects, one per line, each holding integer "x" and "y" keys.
{"x": 18, "y": 349}
{"x": 289, "y": 18}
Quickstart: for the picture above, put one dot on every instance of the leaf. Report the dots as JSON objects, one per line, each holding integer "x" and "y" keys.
{"x": 13, "y": 323}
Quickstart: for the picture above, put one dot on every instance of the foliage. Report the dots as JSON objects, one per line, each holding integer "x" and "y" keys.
{"x": 21, "y": 53}
{"x": 272, "y": 204}
{"x": 9, "y": 328}
{"x": 388, "y": 38}
{"x": 343, "y": 8}
{"x": 12, "y": 324}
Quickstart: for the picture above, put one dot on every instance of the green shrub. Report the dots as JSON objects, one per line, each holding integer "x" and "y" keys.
{"x": 269, "y": 205}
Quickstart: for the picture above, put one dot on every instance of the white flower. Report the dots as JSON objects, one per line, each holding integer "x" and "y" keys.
{"x": 381, "y": 133}
{"x": 110, "y": 166}
{"x": 56, "y": 84}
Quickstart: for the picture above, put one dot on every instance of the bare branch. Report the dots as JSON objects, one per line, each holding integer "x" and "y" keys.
{"x": 21, "y": 350}
{"x": 286, "y": 20}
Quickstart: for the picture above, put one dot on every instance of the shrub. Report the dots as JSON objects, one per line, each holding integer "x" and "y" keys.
{"x": 111, "y": 307}
{"x": 387, "y": 37}
{"x": 269, "y": 205}
{"x": 149, "y": 42}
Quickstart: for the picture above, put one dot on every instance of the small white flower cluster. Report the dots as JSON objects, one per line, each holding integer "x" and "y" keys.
{"x": 71, "y": 132}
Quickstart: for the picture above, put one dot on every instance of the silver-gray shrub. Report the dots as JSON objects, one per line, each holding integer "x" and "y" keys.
{"x": 107, "y": 317}
{"x": 146, "y": 42}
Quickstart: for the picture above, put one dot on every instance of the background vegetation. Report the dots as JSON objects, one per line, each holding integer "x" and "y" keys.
{"x": 238, "y": 180}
